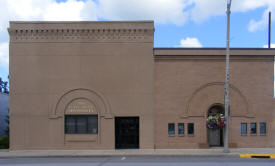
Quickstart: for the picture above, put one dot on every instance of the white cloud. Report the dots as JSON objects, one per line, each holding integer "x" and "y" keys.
{"x": 272, "y": 46}
{"x": 162, "y": 11}
{"x": 64, "y": 11}
{"x": 190, "y": 42}
{"x": 4, "y": 55}
{"x": 45, "y": 10}
{"x": 204, "y": 9}
{"x": 262, "y": 23}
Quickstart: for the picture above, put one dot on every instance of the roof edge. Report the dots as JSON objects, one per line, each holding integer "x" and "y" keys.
{"x": 213, "y": 51}
{"x": 78, "y": 22}
{"x": 211, "y": 48}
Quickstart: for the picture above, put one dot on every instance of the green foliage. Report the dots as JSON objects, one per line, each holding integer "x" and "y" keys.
{"x": 4, "y": 142}
{"x": 4, "y": 86}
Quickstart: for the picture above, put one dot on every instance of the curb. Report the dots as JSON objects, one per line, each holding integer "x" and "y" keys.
{"x": 272, "y": 156}
{"x": 114, "y": 155}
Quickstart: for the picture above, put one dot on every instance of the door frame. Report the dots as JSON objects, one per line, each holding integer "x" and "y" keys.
{"x": 221, "y": 130}
{"x": 138, "y": 118}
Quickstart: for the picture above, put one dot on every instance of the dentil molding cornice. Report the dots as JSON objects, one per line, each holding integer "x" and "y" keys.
{"x": 81, "y": 32}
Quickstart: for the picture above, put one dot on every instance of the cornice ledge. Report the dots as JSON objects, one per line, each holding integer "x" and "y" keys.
{"x": 214, "y": 57}
{"x": 80, "y": 35}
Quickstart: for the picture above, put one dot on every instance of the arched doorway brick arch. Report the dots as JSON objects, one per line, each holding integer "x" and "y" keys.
{"x": 213, "y": 92}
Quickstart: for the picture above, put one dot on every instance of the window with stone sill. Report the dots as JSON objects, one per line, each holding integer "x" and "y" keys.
{"x": 171, "y": 129}
{"x": 190, "y": 128}
{"x": 81, "y": 124}
{"x": 262, "y": 128}
{"x": 243, "y": 128}
{"x": 180, "y": 128}
{"x": 253, "y": 128}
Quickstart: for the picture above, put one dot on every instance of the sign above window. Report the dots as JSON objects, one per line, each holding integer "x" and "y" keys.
{"x": 81, "y": 106}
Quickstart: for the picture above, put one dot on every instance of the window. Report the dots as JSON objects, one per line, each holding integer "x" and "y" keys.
{"x": 262, "y": 128}
{"x": 243, "y": 128}
{"x": 253, "y": 128}
{"x": 190, "y": 128}
{"x": 81, "y": 124}
{"x": 171, "y": 129}
{"x": 181, "y": 128}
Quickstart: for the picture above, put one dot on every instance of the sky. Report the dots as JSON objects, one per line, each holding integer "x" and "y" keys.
{"x": 178, "y": 23}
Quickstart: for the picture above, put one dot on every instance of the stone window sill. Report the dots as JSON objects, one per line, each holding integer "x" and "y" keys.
{"x": 262, "y": 134}
{"x": 81, "y": 137}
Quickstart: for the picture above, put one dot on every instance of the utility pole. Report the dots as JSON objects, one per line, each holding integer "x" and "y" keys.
{"x": 269, "y": 30}
{"x": 226, "y": 98}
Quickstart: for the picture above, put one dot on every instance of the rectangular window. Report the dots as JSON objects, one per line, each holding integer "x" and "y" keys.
{"x": 190, "y": 128}
{"x": 81, "y": 124}
{"x": 70, "y": 125}
{"x": 262, "y": 128}
{"x": 243, "y": 128}
{"x": 171, "y": 129}
{"x": 181, "y": 128}
{"x": 92, "y": 124}
{"x": 253, "y": 128}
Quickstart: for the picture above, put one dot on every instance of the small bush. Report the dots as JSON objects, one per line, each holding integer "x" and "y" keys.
{"x": 4, "y": 142}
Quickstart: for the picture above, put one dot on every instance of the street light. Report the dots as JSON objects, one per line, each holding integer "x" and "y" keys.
{"x": 226, "y": 98}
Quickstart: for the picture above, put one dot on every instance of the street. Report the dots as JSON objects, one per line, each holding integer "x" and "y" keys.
{"x": 134, "y": 161}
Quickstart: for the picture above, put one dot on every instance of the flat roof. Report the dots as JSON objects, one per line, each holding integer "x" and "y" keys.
{"x": 25, "y": 25}
{"x": 213, "y": 51}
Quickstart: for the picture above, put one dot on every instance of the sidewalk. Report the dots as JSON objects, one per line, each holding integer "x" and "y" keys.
{"x": 137, "y": 152}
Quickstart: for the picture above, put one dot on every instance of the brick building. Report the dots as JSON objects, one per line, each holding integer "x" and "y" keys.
{"x": 102, "y": 85}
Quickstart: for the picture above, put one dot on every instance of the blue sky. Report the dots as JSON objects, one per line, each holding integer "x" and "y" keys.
{"x": 178, "y": 23}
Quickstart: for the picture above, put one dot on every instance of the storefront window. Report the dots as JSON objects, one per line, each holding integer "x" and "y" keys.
{"x": 171, "y": 129}
{"x": 181, "y": 128}
{"x": 262, "y": 128}
{"x": 243, "y": 128}
{"x": 253, "y": 128}
{"x": 81, "y": 124}
{"x": 190, "y": 128}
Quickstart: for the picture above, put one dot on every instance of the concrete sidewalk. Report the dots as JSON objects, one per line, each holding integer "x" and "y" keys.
{"x": 137, "y": 152}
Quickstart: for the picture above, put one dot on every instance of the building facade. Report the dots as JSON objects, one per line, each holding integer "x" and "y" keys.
{"x": 102, "y": 85}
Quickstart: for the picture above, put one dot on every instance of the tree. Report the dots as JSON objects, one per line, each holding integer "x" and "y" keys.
{"x": 4, "y": 89}
{"x": 4, "y": 86}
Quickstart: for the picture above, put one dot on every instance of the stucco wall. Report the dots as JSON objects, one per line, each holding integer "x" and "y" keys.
{"x": 51, "y": 64}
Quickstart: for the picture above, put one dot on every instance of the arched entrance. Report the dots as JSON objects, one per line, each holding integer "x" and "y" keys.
{"x": 215, "y": 116}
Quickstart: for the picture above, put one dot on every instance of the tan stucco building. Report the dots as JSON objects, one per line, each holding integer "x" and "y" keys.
{"x": 102, "y": 85}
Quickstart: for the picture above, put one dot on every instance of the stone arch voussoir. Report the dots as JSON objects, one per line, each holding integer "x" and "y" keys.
{"x": 94, "y": 97}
